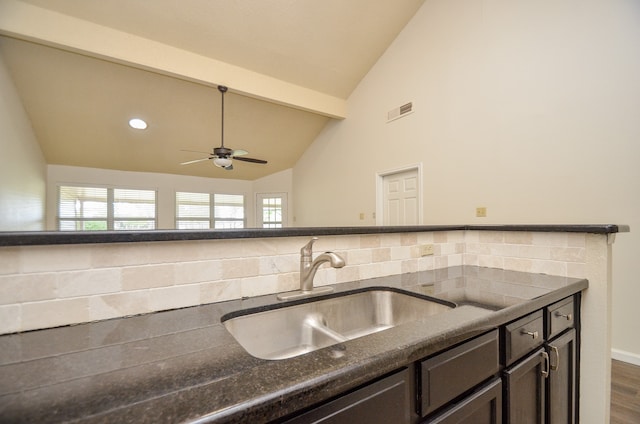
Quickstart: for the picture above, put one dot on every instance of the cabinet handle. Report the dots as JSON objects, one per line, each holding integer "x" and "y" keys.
{"x": 533, "y": 334}
{"x": 568, "y": 317}
{"x": 545, "y": 370}
{"x": 556, "y": 353}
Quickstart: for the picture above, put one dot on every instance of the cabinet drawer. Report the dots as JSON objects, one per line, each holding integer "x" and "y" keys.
{"x": 484, "y": 406}
{"x": 522, "y": 336}
{"x": 385, "y": 401}
{"x": 451, "y": 373}
{"x": 560, "y": 316}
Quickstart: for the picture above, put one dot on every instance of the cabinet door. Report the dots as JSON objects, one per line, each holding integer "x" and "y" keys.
{"x": 482, "y": 407}
{"x": 525, "y": 390}
{"x": 562, "y": 379}
{"x": 385, "y": 401}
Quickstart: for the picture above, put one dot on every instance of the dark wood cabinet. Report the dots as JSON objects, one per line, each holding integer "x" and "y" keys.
{"x": 384, "y": 401}
{"x": 525, "y": 372}
{"x": 543, "y": 387}
{"x": 525, "y": 388}
{"x": 450, "y": 374}
{"x": 522, "y": 336}
{"x": 561, "y": 393}
{"x": 484, "y": 406}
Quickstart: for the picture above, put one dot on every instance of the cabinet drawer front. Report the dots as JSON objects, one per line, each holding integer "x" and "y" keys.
{"x": 560, "y": 316}
{"x": 522, "y": 336}
{"x": 484, "y": 406}
{"x": 385, "y": 401}
{"x": 451, "y": 373}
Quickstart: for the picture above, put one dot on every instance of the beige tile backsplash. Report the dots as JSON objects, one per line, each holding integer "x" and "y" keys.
{"x": 48, "y": 286}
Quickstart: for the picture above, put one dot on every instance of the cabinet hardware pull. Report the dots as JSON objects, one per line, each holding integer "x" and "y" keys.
{"x": 568, "y": 317}
{"x": 533, "y": 334}
{"x": 545, "y": 370}
{"x": 556, "y": 353}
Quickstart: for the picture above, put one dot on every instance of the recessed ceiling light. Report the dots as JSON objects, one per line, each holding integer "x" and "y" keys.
{"x": 137, "y": 123}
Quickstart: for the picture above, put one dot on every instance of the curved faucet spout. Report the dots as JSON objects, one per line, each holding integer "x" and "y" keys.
{"x": 308, "y": 269}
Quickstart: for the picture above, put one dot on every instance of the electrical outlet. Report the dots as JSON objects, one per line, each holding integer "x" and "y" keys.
{"x": 361, "y": 216}
{"x": 426, "y": 249}
{"x": 481, "y": 212}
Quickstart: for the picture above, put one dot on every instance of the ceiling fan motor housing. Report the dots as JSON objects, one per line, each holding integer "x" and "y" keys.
{"x": 222, "y": 152}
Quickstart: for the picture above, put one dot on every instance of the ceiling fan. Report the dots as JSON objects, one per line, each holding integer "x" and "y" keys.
{"x": 222, "y": 157}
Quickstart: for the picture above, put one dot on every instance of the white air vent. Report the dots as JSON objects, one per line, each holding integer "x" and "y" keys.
{"x": 399, "y": 112}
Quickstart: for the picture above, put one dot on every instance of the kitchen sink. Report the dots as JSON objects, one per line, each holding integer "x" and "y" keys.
{"x": 296, "y": 328}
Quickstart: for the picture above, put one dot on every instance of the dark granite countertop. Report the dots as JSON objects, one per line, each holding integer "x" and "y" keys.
{"x": 183, "y": 366}
{"x": 27, "y": 238}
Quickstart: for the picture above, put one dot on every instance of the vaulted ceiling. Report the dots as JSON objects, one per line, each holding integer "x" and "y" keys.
{"x": 84, "y": 67}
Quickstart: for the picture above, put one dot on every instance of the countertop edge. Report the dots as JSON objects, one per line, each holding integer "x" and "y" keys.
{"x": 34, "y": 238}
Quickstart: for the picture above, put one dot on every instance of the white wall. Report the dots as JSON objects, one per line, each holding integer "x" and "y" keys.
{"x": 166, "y": 186}
{"x": 280, "y": 182}
{"x": 530, "y": 109}
{"x": 22, "y": 165}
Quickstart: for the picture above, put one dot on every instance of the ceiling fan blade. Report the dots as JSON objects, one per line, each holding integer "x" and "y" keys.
{"x": 239, "y": 152}
{"x": 195, "y": 161}
{"x": 250, "y": 160}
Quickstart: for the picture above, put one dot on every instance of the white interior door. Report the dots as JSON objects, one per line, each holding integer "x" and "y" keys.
{"x": 271, "y": 209}
{"x": 401, "y": 198}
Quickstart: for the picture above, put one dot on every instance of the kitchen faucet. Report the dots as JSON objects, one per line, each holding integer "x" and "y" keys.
{"x": 308, "y": 268}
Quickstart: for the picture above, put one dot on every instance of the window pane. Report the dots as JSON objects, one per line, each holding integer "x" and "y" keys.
{"x": 272, "y": 212}
{"x": 134, "y": 203}
{"x": 82, "y": 202}
{"x": 81, "y": 225}
{"x": 266, "y": 225}
{"x": 131, "y": 225}
{"x": 228, "y": 210}
{"x": 229, "y": 224}
{"x": 192, "y": 205}
{"x": 193, "y": 225}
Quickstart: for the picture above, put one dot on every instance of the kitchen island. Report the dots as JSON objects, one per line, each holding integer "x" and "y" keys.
{"x": 183, "y": 365}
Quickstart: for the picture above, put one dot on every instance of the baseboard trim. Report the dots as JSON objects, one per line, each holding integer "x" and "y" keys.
{"x": 621, "y": 355}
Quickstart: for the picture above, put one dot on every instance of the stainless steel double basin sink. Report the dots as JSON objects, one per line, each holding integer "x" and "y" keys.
{"x": 296, "y": 328}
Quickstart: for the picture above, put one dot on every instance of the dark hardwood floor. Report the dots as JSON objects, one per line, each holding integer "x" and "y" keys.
{"x": 625, "y": 393}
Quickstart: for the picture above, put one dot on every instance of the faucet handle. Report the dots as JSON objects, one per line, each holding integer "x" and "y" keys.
{"x": 307, "y": 249}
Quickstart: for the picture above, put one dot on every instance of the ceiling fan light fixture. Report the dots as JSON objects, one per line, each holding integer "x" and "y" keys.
{"x": 137, "y": 124}
{"x": 222, "y": 162}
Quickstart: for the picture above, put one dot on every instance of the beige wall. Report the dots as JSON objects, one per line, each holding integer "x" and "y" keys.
{"x": 527, "y": 108}
{"x": 22, "y": 166}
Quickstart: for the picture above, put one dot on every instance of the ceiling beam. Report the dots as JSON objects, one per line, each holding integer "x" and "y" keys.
{"x": 32, "y": 23}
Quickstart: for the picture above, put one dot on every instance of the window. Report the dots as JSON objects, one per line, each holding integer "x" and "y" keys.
{"x": 82, "y": 209}
{"x": 102, "y": 208}
{"x": 272, "y": 210}
{"x": 193, "y": 211}
{"x": 134, "y": 209}
{"x": 198, "y": 211}
{"x": 228, "y": 211}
